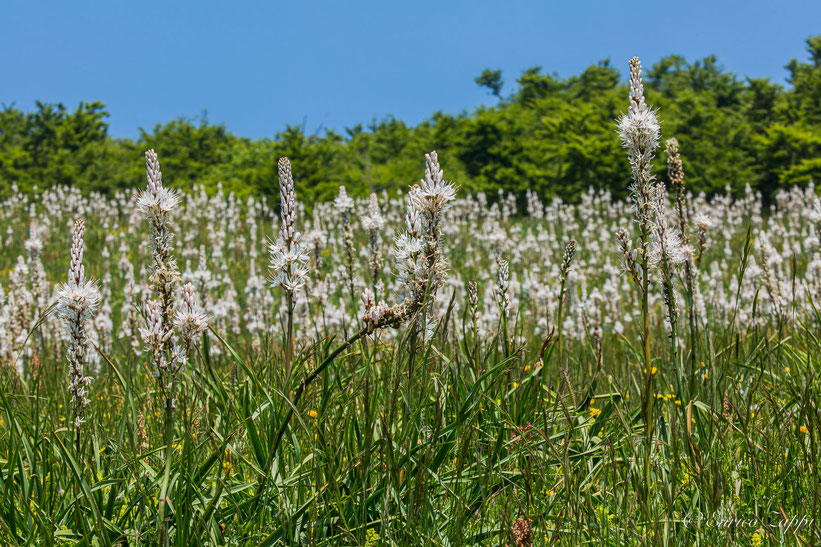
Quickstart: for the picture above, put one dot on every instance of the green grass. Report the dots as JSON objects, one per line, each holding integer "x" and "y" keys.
{"x": 400, "y": 442}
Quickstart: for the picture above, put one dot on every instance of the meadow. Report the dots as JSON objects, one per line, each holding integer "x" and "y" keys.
{"x": 422, "y": 368}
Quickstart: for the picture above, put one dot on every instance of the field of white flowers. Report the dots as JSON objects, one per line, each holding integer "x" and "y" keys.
{"x": 430, "y": 368}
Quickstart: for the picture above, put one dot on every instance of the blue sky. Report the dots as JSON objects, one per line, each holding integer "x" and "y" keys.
{"x": 256, "y": 66}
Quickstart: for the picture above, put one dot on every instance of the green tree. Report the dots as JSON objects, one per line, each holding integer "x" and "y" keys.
{"x": 491, "y": 79}
{"x": 551, "y": 135}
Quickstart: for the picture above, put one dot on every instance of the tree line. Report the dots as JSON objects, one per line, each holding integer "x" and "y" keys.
{"x": 550, "y": 134}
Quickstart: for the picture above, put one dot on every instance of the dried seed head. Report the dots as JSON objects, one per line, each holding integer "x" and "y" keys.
{"x": 373, "y": 313}
{"x": 522, "y": 532}
{"x": 674, "y": 167}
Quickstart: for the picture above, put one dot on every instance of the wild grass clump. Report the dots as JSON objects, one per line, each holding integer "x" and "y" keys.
{"x": 445, "y": 371}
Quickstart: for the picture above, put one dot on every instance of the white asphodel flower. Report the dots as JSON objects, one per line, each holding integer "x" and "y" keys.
{"x": 156, "y": 200}
{"x": 190, "y": 319}
{"x": 343, "y": 203}
{"x": 288, "y": 258}
{"x": 78, "y": 299}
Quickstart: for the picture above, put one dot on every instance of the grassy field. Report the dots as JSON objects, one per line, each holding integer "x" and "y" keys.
{"x": 424, "y": 369}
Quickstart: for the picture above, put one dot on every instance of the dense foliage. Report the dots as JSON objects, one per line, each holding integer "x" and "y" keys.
{"x": 552, "y": 135}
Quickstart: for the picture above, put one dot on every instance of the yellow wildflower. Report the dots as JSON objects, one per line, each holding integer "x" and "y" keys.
{"x": 756, "y": 539}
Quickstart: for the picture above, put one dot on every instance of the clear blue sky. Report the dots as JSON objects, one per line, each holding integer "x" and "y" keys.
{"x": 256, "y": 66}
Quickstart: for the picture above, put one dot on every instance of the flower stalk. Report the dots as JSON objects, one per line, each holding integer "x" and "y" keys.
{"x": 288, "y": 257}
{"x": 78, "y": 299}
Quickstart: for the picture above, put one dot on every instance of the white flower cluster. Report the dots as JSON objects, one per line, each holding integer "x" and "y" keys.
{"x": 288, "y": 258}
{"x": 421, "y": 268}
{"x": 372, "y": 220}
{"x": 343, "y": 203}
{"x": 78, "y": 299}
{"x": 167, "y": 355}
{"x": 639, "y": 132}
{"x": 156, "y": 201}
{"x": 191, "y": 319}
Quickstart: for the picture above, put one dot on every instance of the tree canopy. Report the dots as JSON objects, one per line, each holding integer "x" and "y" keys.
{"x": 552, "y": 135}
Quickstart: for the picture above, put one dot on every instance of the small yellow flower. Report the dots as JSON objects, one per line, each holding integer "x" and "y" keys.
{"x": 706, "y": 375}
{"x": 312, "y": 413}
{"x": 756, "y": 539}
{"x": 371, "y": 537}
{"x": 527, "y": 368}
{"x": 804, "y": 429}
